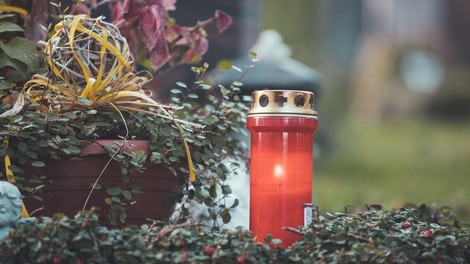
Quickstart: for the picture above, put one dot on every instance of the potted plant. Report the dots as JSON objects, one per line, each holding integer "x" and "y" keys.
{"x": 90, "y": 92}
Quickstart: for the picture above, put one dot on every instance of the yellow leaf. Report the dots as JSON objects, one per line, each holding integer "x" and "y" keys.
{"x": 88, "y": 92}
{"x": 73, "y": 28}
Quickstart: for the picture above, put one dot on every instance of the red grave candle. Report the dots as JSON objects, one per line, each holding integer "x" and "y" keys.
{"x": 282, "y": 124}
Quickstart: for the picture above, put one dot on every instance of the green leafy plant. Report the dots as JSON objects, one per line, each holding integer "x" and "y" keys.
{"x": 408, "y": 235}
{"x": 62, "y": 115}
{"x": 17, "y": 53}
{"x": 414, "y": 234}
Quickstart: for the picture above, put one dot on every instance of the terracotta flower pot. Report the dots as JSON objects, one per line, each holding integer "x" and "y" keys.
{"x": 70, "y": 182}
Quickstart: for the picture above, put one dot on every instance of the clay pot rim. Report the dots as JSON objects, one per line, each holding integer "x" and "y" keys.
{"x": 97, "y": 147}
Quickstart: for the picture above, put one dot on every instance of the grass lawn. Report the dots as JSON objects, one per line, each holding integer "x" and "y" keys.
{"x": 396, "y": 163}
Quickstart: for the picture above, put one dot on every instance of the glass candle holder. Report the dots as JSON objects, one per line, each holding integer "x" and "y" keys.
{"x": 282, "y": 124}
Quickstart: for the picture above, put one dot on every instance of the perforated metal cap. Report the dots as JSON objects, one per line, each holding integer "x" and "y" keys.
{"x": 282, "y": 102}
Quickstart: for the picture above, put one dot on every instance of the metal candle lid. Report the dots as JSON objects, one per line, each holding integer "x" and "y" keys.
{"x": 282, "y": 102}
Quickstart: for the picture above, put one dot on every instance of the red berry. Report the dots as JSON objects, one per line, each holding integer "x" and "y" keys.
{"x": 240, "y": 260}
{"x": 184, "y": 256}
{"x": 208, "y": 250}
{"x": 56, "y": 260}
{"x": 427, "y": 233}
{"x": 406, "y": 224}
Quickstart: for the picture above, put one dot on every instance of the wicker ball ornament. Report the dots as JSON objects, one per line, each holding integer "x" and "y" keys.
{"x": 90, "y": 67}
{"x": 87, "y": 51}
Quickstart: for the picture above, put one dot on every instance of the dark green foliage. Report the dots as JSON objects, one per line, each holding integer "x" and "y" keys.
{"x": 17, "y": 54}
{"x": 408, "y": 235}
{"x": 215, "y": 148}
{"x": 82, "y": 240}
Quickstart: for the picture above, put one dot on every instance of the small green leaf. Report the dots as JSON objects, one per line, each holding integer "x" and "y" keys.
{"x": 213, "y": 191}
{"x": 5, "y": 16}
{"x": 22, "y": 146}
{"x": 6, "y": 26}
{"x": 236, "y": 68}
{"x": 127, "y": 195}
{"x": 114, "y": 191}
{"x": 156, "y": 158}
{"x": 237, "y": 83}
{"x": 43, "y": 143}
{"x": 225, "y": 214}
{"x": 84, "y": 101}
{"x": 182, "y": 84}
{"x": 226, "y": 190}
{"x": 73, "y": 149}
{"x": 268, "y": 238}
{"x": 205, "y": 86}
{"x": 38, "y": 164}
{"x": 235, "y": 203}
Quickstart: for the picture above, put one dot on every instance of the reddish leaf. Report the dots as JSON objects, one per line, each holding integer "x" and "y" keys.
{"x": 153, "y": 27}
{"x": 131, "y": 9}
{"x": 173, "y": 32}
{"x": 201, "y": 46}
{"x": 79, "y": 9}
{"x": 117, "y": 13}
{"x": 191, "y": 41}
{"x": 169, "y": 4}
{"x": 222, "y": 20}
{"x": 143, "y": 21}
{"x": 199, "y": 49}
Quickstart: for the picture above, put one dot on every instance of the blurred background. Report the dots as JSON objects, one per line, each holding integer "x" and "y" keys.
{"x": 394, "y": 95}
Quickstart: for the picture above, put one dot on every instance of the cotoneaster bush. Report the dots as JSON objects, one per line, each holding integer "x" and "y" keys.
{"x": 409, "y": 235}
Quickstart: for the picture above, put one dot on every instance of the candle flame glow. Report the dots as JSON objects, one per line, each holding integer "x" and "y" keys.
{"x": 278, "y": 171}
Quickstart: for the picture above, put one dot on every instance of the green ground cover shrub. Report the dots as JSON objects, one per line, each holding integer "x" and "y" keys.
{"x": 420, "y": 234}
{"x": 394, "y": 163}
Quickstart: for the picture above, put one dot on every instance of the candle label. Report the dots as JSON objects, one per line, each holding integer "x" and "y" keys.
{"x": 308, "y": 214}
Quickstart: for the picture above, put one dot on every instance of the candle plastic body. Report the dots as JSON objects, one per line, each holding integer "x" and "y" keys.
{"x": 281, "y": 172}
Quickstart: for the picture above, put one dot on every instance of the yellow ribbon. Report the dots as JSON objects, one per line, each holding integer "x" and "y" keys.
{"x": 22, "y": 12}
{"x": 11, "y": 178}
